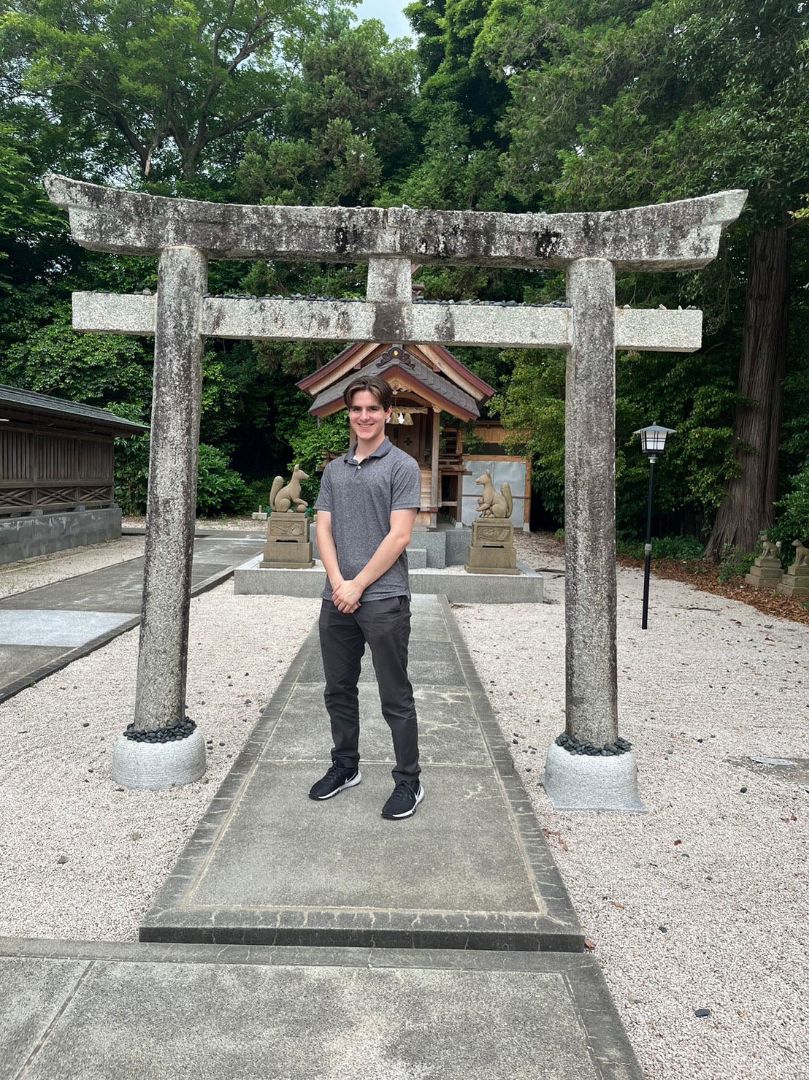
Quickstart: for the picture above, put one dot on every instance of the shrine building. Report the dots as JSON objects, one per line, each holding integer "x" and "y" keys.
{"x": 434, "y": 395}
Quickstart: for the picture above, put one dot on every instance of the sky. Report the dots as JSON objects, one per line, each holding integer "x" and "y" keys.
{"x": 390, "y": 12}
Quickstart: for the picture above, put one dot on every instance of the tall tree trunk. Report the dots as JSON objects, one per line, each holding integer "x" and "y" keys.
{"x": 748, "y": 503}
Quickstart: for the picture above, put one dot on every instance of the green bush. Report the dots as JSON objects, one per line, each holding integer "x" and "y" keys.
{"x": 311, "y": 444}
{"x": 735, "y": 562}
{"x": 132, "y": 473}
{"x": 220, "y": 489}
{"x": 258, "y": 492}
{"x": 793, "y": 515}
{"x": 678, "y": 548}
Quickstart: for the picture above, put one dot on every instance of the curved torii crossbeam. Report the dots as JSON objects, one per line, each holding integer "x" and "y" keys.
{"x": 590, "y": 247}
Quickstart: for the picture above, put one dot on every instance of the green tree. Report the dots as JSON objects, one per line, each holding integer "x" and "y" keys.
{"x": 346, "y": 123}
{"x": 162, "y": 86}
{"x": 635, "y": 102}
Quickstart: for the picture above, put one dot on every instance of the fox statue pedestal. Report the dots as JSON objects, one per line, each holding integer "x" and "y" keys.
{"x": 492, "y": 549}
{"x": 288, "y": 545}
{"x": 795, "y": 582}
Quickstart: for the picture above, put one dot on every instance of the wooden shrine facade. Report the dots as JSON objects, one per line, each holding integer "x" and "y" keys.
{"x": 428, "y": 382}
{"x": 56, "y": 455}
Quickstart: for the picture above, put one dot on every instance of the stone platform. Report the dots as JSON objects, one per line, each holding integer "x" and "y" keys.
{"x": 160, "y": 1012}
{"x": 269, "y": 866}
{"x": 526, "y": 587}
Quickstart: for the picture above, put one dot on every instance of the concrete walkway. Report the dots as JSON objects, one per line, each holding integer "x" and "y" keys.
{"x": 164, "y": 1012}
{"x": 268, "y": 865}
{"x": 296, "y": 940}
{"x": 44, "y": 629}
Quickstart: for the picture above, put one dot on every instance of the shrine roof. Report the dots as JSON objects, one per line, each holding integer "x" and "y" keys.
{"x": 414, "y": 374}
{"x": 314, "y": 380}
{"x": 16, "y": 403}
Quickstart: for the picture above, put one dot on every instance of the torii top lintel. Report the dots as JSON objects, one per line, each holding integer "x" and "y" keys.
{"x": 670, "y": 236}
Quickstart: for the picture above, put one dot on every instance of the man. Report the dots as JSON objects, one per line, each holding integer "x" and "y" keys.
{"x": 366, "y": 510}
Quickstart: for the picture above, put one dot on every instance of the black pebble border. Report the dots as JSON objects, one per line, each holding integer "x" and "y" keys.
{"x": 172, "y": 734}
{"x": 573, "y": 746}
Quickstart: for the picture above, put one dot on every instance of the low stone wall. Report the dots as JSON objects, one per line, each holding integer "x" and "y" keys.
{"x": 458, "y": 587}
{"x": 443, "y": 547}
{"x": 26, "y": 537}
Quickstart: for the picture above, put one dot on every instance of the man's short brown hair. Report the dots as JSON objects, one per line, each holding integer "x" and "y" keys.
{"x": 374, "y": 385}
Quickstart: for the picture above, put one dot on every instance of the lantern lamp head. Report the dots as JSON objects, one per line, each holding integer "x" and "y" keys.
{"x": 653, "y": 439}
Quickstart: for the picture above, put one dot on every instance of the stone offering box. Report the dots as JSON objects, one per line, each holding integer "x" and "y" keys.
{"x": 492, "y": 549}
{"x": 288, "y": 546}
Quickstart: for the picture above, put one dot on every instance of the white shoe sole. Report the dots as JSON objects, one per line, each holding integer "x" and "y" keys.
{"x": 411, "y": 812}
{"x": 349, "y": 783}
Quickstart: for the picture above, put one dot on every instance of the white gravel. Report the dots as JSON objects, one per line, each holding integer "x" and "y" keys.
{"x": 57, "y": 800}
{"x": 19, "y": 577}
{"x": 725, "y": 872}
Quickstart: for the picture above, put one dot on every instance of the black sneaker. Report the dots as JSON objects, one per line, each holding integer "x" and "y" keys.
{"x": 403, "y": 801}
{"x": 335, "y": 781}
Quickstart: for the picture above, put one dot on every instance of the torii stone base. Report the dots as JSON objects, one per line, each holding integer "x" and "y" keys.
{"x": 579, "y": 782}
{"x": 158, "y": 765}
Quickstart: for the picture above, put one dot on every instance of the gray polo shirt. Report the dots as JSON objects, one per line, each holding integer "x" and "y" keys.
{"x": 360, "y": 497}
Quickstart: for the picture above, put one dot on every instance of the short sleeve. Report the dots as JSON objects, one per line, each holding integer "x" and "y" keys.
{"x": 406, "y": 486}
{"x": 324, "y": 499}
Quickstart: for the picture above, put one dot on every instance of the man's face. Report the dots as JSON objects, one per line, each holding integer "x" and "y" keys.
{"x": 366, "y": 416}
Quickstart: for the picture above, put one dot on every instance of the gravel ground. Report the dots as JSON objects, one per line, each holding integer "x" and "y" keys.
{"x": 31, "y": 574}
{"x": 80, "y": 858}
{"x": 231, "y": 524}
{"x": 704, "y": 901}
{"x": 701, "y": 903}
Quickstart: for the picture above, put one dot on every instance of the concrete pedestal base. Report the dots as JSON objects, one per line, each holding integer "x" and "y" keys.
{"x": 795, "y": 583}
{"x": 765, "y": 573}
{"x": 579, "y": 782}
{"x": 288, "y": 546}
{"x": 158, "y": 765}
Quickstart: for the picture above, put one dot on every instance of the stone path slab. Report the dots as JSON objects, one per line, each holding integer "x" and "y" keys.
{"x": 267, "y": 865}
{"x": 159, "y": 1012}
{"x": 44, "y": 626}
{"x": 44, "y": 629}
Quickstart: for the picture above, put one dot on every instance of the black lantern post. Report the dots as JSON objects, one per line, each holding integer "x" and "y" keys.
{"x": 653, "y": 443}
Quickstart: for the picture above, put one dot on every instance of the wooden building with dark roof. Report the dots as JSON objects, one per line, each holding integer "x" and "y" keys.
{"x": 57, "y": 464}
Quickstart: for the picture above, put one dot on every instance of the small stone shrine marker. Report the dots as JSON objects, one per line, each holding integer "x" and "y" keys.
{"x": 766, "y": 571}
{"x": 590, "y": 247}
{"x": 492, "y": 549}
{"x": 288, "y": 545}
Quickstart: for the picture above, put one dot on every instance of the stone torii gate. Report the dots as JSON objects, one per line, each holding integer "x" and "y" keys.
{"x": 184, "y": 234}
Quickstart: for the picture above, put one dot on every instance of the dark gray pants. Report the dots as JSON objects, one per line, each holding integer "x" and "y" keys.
{"x": 385, "y": 625}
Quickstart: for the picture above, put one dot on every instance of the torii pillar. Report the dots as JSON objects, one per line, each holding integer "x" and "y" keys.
{"x": 589, "y": 766}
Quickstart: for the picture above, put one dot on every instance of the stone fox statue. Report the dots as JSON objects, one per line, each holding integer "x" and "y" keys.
{"x": 492, "y": 504}
{"x": 801, "y": 554}
{"x": 288, "y": 498}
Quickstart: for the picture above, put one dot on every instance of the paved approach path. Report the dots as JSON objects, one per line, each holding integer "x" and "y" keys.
{"x": 316, "y": 941}
{"x": 44, "y": 629}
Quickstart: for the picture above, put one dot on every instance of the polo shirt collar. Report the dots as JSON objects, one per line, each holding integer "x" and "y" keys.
{"x": 384, "y": 448}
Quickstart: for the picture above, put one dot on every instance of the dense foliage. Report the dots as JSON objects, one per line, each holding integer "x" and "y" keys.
{"x": 499, "y": 104}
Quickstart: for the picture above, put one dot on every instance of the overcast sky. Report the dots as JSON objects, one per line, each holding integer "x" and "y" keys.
{"x": 390, "y": 12}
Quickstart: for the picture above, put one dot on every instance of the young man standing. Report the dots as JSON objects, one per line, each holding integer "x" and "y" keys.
{"x": 366, "y": 510}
